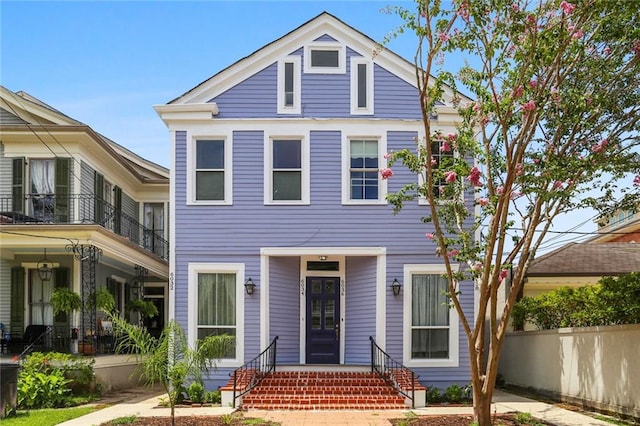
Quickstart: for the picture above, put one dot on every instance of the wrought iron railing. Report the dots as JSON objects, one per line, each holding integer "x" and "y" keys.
{"x": 80, "y": 209}
{"x": 253, "y": 372}
{"x": 397, "y": 375}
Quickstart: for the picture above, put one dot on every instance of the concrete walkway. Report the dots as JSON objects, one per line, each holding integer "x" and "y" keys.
{"x": 143, "y": 402}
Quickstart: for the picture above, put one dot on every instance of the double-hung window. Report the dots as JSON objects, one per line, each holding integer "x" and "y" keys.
{"x": 288, "y": 171}
{"x": 442, "y": 154}
{"x": 364, "y": 184}
{"x": 361, "y": 86}
{"x": 219, "y": 299}
{"x": 211, "y": 179}
{"x": 430, "y": 325}
{"x": 289, "y": 91}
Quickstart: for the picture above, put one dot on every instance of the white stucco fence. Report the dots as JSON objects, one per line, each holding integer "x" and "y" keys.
{"x": 598, "y": 366}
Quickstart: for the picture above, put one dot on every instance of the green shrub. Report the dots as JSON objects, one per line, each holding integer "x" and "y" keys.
{"x": 454, "y": 393}
{"x": 53, "y": 379}
{"x": 40, "y": 390}
{"x": 213, "y": 397}
{"x": 434, "y": 395}
{"x": 196, "y": 392}
{"x": 611, "y": 301}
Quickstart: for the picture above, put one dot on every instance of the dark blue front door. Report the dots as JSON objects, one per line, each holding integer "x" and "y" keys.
{"x": 323, "y": 320}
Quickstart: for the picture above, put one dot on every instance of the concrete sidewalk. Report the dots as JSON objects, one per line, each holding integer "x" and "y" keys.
{"x": 144, "y": 403}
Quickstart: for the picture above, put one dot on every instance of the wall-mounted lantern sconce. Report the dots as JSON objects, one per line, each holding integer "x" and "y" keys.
{"x": 44, "y": 268}
{"x": 323, "y": 258}
{"x": 249, "y": 286}
{"x": 395, "y": 286}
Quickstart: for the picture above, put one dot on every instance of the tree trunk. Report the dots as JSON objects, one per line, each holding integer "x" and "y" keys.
{"x": 481, "y": 407}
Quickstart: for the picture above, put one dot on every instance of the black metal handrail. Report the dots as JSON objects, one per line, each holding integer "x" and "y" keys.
{"x": 397, "y": 375}
{"x": 253, "y": 372}
{"x": 80, "y": 209}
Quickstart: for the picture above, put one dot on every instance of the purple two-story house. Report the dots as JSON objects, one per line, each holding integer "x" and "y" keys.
{"x": 279, "y": 221}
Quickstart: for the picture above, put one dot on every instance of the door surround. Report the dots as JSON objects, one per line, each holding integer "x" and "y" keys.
{"x": 332, "y": 253}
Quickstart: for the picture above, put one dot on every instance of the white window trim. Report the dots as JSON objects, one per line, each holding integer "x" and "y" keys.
{"x": 454, "y": 343}
{"x": 326, "y": 45}
{"x": 297, "y": 87}
{"x": 192, "y": 327}
{"x": 346, "y": 165}
{"x": 355, "y": 110}
{"x": 305, "y": 163}
{"x": 191, "y": 170}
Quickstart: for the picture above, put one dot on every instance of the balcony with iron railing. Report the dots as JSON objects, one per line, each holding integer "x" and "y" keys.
{"x": 80, "y": 209}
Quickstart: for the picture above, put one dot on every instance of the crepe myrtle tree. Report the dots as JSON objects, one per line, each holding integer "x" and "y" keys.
{"x": 550, "y": 126}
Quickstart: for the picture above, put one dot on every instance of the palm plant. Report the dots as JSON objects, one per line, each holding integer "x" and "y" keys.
{"x": 169, "y": 359}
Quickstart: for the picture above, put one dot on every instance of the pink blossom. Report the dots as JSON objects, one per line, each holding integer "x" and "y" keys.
{"x": 567, "y": 7}
{"x": 577, "y": 34}
{"x": 500, "y": 190}
{"x": 386, "y": 173}
{"x": 536, "y": 160}
{"x": 518, "y": 92}
{"x": 515, "y": 7}
{"x": 533, "y": 84}
{"x": 557, "y": 185}
{"x": 445, "y": 147}
{"x": 474, "y": 176}
{"x": 387, "y": 155}
{"x": 444, "y": 37}
{"x": 450, "y": 176}
{"x": 606, "y": 50}
{"x": 478, "y": 266}
{"x": 636, "y": 48}
{"x": 636, "y": 180}
{"x": 515, "y": 195}
{"x": 429, "y": 236}
{"x": 599, "y": 147}
{"x": 529, "y": 106}
{"x": 434, "y": 162}
{"x": 463, "y": 12}
{"x": 451, "y": 137}
{"x": 531, "y": 19}
{"x": 503, "y": 275}
{"x": 519, "y": 169}
{"x": 453, "y": 252}
{"x": 484, "y": 201}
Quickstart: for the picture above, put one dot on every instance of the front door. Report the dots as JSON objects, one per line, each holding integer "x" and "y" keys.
{"x": 323, "y": 320}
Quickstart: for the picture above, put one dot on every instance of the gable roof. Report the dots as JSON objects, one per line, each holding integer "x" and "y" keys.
{"x": 323, "y": 24}
{"x": 588, "y": 259}
{"x": 20, "y": 110}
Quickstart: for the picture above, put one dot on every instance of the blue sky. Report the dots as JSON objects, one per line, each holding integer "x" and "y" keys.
{"x": 107, "y": 63}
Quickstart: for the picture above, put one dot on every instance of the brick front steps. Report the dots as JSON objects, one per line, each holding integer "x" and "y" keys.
{"x": 309, "y": 390}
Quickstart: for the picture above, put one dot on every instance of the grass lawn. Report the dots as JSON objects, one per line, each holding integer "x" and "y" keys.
{"x": 46, "y": 417}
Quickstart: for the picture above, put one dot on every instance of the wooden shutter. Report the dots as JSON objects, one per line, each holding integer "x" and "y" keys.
{"x": 63, "y": 184}
{"x": 98, "y": 192}
{"x": 117, "y": 201}
{"x": 17, "y": 301}
{"x": 17, "y": 185}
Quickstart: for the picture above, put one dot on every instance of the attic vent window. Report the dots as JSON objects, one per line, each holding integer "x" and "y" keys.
{"x": 325, "y": 58}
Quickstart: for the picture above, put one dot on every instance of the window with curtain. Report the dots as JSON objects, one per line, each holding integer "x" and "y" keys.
{"x": 363, "y": 169}
{"x": 154, "y": 227}
{"x": 40, "y": 299}
{"x": 430, "y": 321}
{"x": 287, "y": 170}
{"x": 42, "y": 188}
{"x": 210, "y": 170}
{"x": 217, "y": 306}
